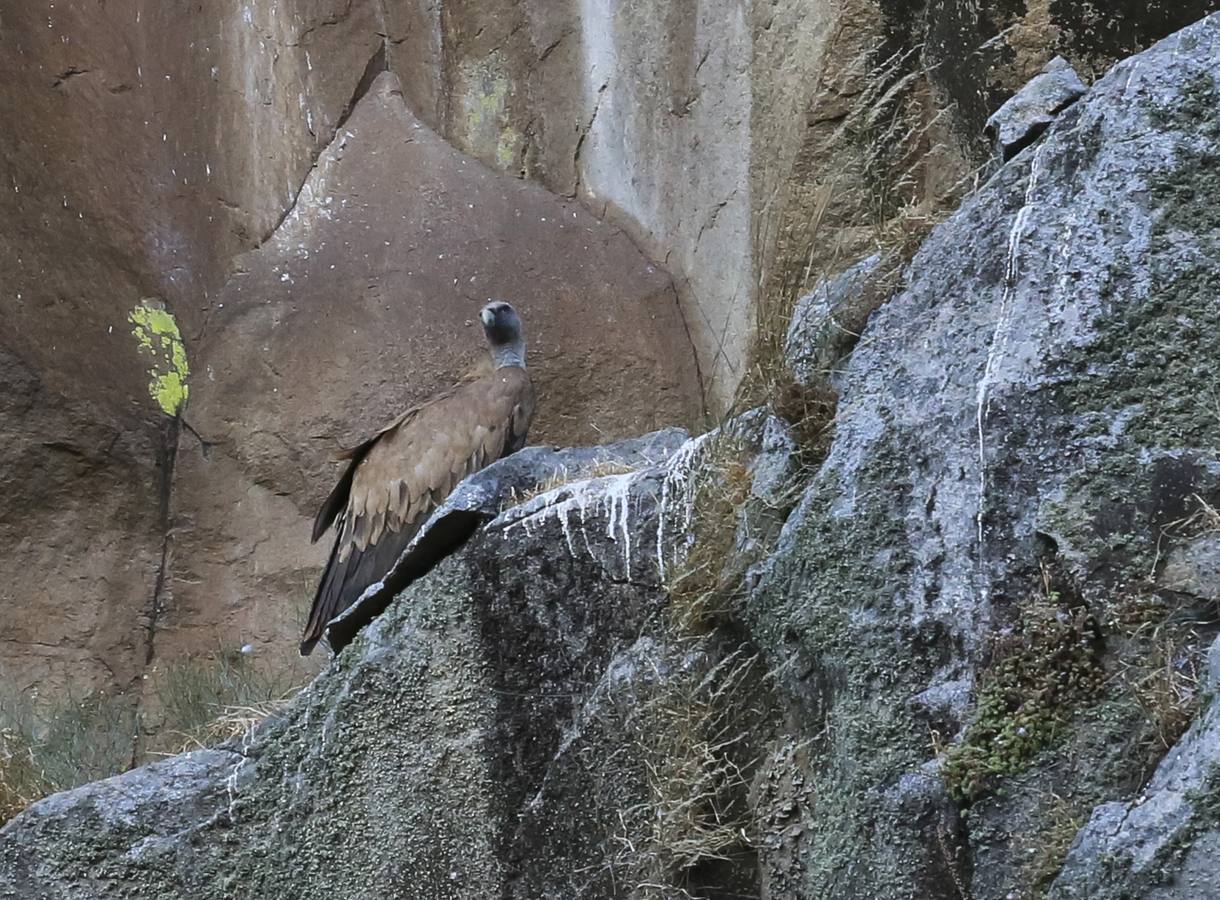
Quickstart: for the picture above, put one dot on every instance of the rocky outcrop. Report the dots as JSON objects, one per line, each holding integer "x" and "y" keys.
{"x": 980, "y": 564}
{"x": 497, "y": 764}
{"x": 826, "y": 322}
{"x": 915, "y": 669}
{"x": 82, "y": 516}
{"x": 1028, "y": 113}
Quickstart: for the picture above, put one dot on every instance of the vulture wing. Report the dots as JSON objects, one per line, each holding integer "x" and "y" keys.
{"x": 396, "y": 479}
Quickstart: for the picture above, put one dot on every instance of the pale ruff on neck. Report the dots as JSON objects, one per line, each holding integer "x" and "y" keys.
{"x": 509, "y": 355}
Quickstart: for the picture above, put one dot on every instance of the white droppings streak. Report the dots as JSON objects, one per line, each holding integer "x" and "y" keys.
{"x": 584, "y": 532}
{"x": 231, "y": 781}
{"x": 676, "y": 483}
{"x": 561, "y": 513}
{"x": 611, "y": 495}
{"x": 618, "y": 515}
{"x": 1003, "y": 331}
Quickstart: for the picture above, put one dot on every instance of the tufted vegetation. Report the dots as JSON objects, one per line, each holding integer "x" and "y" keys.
{"x": 1037, "y": 678}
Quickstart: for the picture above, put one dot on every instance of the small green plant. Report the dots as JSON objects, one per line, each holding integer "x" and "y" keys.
{"x": 1038, "y": 677}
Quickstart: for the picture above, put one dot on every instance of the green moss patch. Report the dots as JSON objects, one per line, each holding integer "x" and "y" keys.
{"x": 1040, "y": 676}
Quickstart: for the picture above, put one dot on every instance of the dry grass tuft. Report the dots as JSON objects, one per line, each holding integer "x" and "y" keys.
{"x": 1204, "y": 520}
{"x": 892, "y": 191}
{"x": 1164, "y": 681}
{"x": 21, "y": 781}
{"x": 698, "y": 724}
{"x": 809, "y": 412}
{"x": 1045, "y": 851}
{"x": 231, "y": 722}
{"x": 703, "y": 591}
{"x": 206, "y": 701}
{"x": 694, "y": 736}
{"x": 45, "y": 750}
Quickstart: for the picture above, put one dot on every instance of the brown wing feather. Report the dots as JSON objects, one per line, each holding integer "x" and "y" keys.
{"x": 337, "y": 500}
{"x": 398, "y": 477}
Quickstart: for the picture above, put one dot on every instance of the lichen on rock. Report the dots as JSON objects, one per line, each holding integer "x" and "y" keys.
{"x": 157, "y": 335}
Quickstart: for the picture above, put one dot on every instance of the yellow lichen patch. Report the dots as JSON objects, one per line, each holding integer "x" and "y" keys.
{"x": 486, "y": 99}
{"x": 157, "y": 333}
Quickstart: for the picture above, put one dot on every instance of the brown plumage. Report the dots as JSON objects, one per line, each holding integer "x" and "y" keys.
{"x": 398, "y": 477}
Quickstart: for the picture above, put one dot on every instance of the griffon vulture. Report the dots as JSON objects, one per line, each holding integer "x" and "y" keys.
{"x": 397, "y": 477}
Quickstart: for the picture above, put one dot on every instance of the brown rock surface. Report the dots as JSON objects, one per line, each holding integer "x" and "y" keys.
{"x": 144, "y": 151}
{"x": 141, "y": 148}
{"x": 365, "y": 301}
{"x": 81, "y": 529}
{"x": 146, "y": 148}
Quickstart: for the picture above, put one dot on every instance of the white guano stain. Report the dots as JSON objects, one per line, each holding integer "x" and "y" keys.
{"x": 1002, "y": 332}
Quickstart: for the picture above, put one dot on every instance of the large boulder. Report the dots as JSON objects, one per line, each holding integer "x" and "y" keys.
{"x": 525, "y": 719}
{"x": 979, "y": 603}
{"x": 431, "y": 734}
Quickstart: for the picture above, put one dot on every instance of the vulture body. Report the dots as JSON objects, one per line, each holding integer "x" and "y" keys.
{"x": 394, "y": 480}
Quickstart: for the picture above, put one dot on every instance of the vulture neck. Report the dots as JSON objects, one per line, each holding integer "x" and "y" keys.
{"x": 509, "y": 355}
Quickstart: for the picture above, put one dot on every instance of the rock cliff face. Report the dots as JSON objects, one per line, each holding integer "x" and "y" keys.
{"x": 1020, "y": 459}
{"x": 232, "y": 219}
{"x": 962, "y": 652}
{"x": 746, "y": 143}
{"x": 178, "y": 187}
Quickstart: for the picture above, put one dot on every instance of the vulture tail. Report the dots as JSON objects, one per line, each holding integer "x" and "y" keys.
{"x": 346, "y": 579}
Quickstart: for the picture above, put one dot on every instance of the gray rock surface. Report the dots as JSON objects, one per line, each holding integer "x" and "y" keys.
{"x": 1019, "y": 428}
{"x": 1026, "y": 114}
{"x": 479, "y": 727}
{"x": 476, "y": 668}
{"x": 482, "y": 497}
{"x": 828, "y": 320}
{"x": 1162, "y": 843}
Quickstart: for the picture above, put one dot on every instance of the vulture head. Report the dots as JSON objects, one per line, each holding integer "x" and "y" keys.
{"x": 502, "y": 326}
